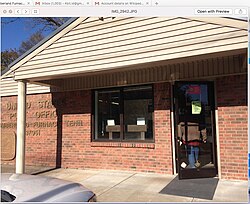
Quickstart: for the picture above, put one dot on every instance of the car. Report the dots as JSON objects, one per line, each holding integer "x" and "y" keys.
{"x": 36, "y": 188}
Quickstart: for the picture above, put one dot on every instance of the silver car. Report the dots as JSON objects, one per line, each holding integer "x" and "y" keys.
{"x": 30, "y": 188}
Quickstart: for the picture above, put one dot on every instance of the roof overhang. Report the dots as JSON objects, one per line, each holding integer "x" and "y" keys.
{"x": 234, "y": 43}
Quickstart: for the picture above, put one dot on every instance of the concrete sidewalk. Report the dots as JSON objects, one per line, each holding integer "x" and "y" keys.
{"x": 123, "y": 186}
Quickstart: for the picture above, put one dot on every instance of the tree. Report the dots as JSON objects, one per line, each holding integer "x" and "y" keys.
{"x": 7, "y": 57}
{"x": 32, "y": 41}
{"x": 42, "y": 24}
{"x": 49, "y": 23}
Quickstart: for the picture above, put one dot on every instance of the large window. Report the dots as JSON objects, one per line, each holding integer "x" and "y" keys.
{"x": 124, "y": 114}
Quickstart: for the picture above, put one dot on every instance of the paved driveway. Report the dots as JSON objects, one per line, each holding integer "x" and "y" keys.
{"x": 122, "y": 186}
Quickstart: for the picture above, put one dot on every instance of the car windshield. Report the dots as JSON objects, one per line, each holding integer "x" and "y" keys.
{"x": 7, "y": 197}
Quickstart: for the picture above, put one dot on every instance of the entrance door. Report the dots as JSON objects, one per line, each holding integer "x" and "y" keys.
{"x": 195, "y": 129}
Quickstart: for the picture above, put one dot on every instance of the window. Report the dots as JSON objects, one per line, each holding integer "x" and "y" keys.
{"x": 124, "y": 114}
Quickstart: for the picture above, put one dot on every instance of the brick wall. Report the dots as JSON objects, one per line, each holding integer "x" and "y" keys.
{"x": 233, "y": 137}
{"x": 79, "y": 152}
{"x": 59, "y": 134}
{"x": 41, "y": 131}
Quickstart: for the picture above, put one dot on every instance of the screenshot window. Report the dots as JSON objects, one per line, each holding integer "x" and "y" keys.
{"x": 124, "y": 101}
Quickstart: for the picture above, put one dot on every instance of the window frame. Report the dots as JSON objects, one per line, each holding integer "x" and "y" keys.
{"x": 121, "y": 139}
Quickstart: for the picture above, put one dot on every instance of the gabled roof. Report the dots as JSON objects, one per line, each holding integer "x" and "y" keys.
{"x": 8, "y": 70}
{"x": 78, "y": 48}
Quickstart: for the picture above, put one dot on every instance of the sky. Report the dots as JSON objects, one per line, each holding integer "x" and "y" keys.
{"x": 12, "y": 34}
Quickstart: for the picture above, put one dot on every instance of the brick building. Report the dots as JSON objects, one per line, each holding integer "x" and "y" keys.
{"x": 111, "y": 95}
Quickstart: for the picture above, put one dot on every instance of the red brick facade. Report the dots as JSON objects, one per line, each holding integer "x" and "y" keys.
{"x": 59, "y": 132}
{"x": 41, "y": 131}
{"x": 232, "y": 111}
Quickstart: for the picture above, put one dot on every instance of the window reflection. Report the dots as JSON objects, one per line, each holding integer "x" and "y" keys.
{"x": 108, "y": 115}
{"x": 124, "y": 114}
{"x": 138, "y": 113}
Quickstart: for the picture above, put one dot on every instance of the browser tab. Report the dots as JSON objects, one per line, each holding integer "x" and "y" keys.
{"x": 122, "y": 3}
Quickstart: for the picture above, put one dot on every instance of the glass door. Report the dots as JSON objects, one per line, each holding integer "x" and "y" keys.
{"x": 195, "y": 129}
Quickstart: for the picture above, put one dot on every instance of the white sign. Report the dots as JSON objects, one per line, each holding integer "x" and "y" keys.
{"x": 183, "y": 165}
{"x": 141, "y": 121}
{"x": 111, "y": 122}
